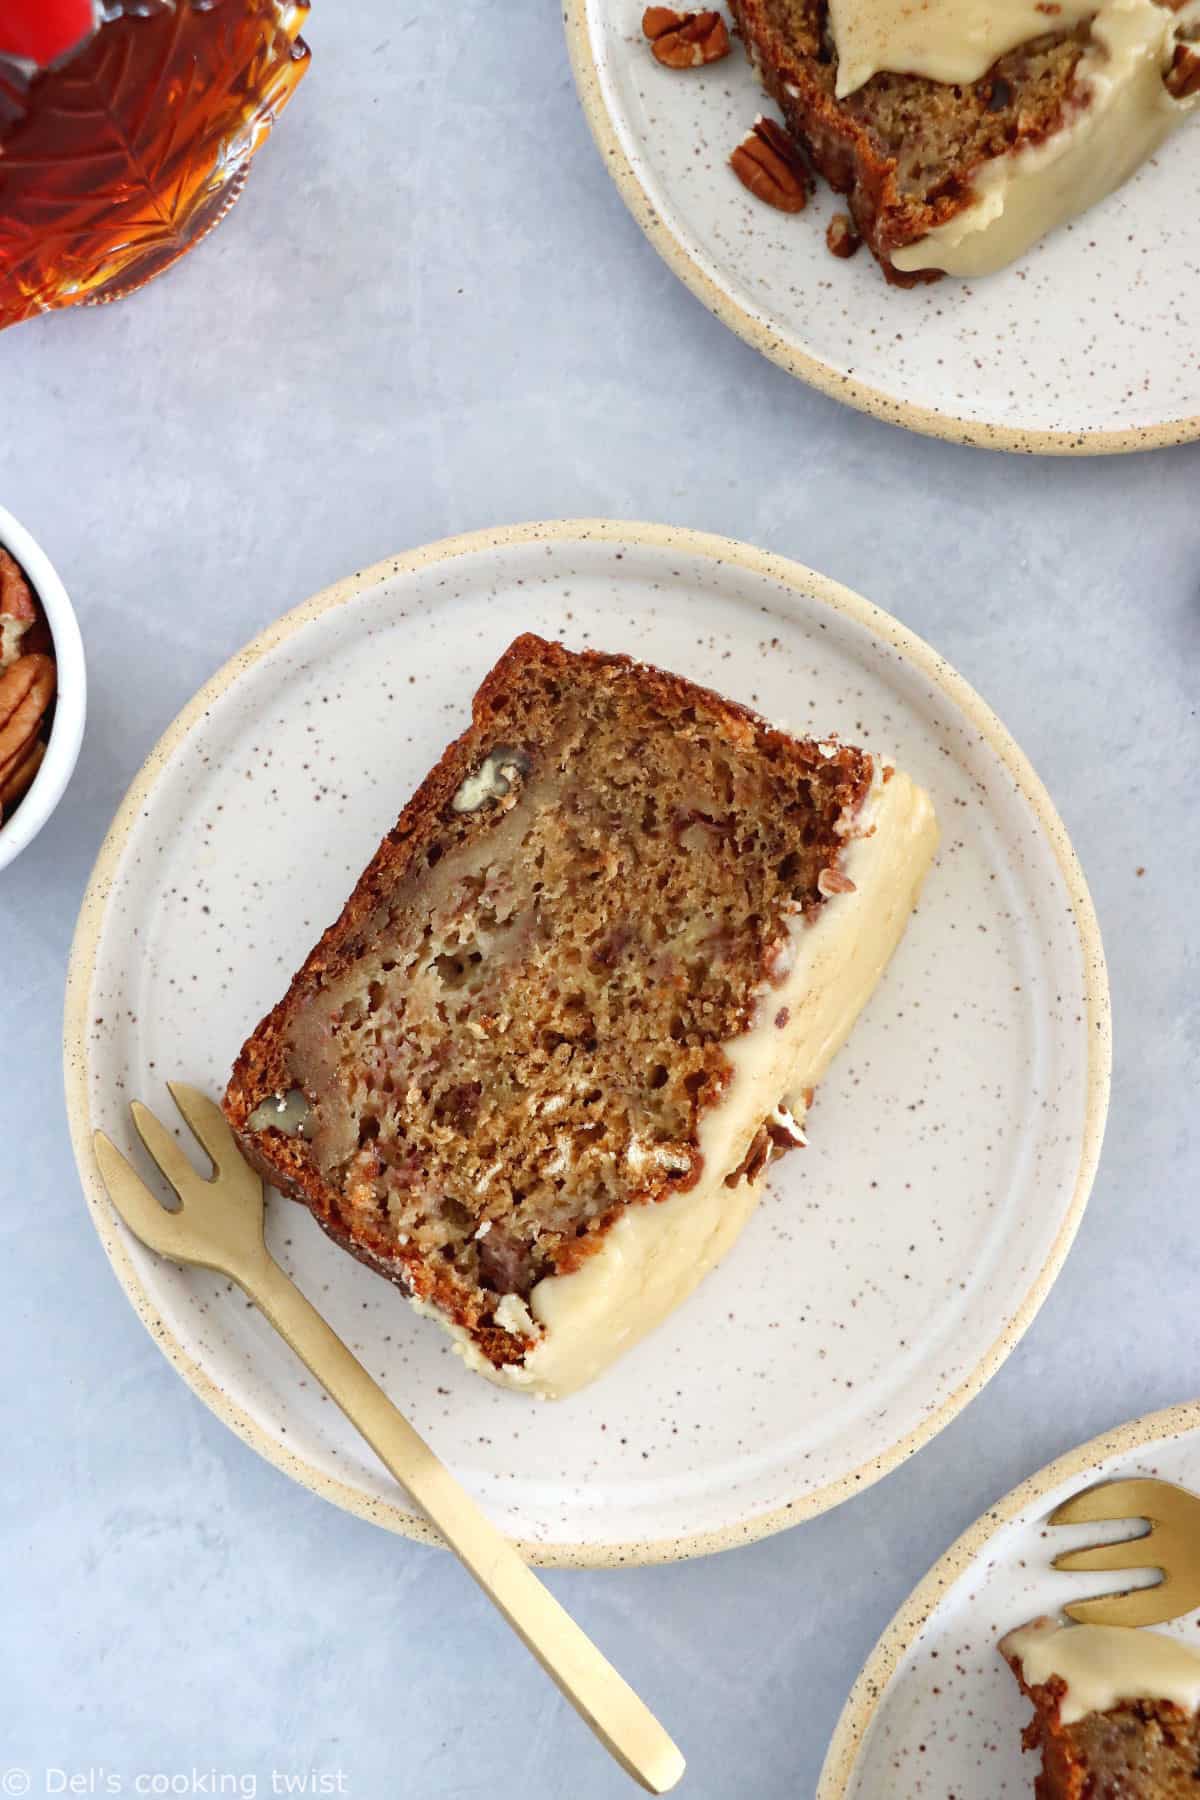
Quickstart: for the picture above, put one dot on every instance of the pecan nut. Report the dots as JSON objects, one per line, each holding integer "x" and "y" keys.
{"x": 755, "y": 1160}
{"x": 769, "y": 162}
{"x": 841, "y": 239}
{"x": 26, "y": 690}
{"x": 685, "y": 40}
{"x": 16, "y": 784}
{"x": 1183, "y": 77}
{"x": 17, "y": 610}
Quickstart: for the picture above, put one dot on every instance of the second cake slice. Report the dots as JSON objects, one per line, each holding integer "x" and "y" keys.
{"x": 577, "y": 1002}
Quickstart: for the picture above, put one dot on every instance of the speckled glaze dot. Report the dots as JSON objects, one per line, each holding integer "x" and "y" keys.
{"x": 935, "y": 1711}
{"x": 892, "y": 1264}
{"x": 1087, "y": 345}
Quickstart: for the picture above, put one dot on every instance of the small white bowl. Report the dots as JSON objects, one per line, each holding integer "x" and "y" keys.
{"x": 66, "y": 733}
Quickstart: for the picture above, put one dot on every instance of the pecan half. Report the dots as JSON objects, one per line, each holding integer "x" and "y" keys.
{"x": 770, "y": 164}
{"x": 841, "y": 239}
{"x": 17, "y": 610}
{"x": 685, "y": 40}
{"x": 18, "y": 782}
{"x": 26, "y": 690}
{"x": 1183, "y": 77}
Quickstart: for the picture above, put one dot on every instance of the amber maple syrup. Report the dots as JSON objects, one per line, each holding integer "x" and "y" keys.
{"x": 118, "y": 159}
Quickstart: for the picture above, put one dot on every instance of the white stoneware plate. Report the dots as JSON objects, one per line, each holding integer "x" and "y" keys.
{"x": 893, "y": 1264}
{"x": 935, "y": 1711}
{"x": 1088, "y": 344}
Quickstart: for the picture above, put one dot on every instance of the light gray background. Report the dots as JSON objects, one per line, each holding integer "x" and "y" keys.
{"x": 431, "y": 312}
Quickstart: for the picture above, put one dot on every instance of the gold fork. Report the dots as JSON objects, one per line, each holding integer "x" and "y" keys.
{"x": 219, "y": 1225}
{"x": 1171, "y": 1545}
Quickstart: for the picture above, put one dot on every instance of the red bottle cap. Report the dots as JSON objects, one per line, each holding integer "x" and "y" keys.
{"x": 42, "y": 31}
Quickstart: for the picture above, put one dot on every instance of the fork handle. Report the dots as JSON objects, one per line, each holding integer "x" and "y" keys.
{"x": 624, "y": 1725}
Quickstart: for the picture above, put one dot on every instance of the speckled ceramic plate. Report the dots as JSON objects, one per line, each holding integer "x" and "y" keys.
{"x": 891, "y": 1266}
{"x": 1088, "y": 344}
{"x": 936, "y": 1712}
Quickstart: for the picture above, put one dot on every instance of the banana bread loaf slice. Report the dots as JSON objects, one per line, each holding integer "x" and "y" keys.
{"x": 963, "y": 175}
{"x": 1115, "y": 1711}
{"x": 536, "y": 1070}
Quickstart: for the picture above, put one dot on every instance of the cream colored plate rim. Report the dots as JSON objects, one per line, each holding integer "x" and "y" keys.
{"x": 868, "y": 1691}
{"x": 931, "y": 421}
{"x": 715, "y": 549}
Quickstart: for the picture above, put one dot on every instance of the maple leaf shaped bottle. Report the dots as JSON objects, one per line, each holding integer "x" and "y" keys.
{"x": 126, "y": 134}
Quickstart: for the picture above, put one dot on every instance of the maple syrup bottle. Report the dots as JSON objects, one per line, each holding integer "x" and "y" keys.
{"x": 119, "y": 153}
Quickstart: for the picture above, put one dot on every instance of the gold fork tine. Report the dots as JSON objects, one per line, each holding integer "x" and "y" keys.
{"x": 166, "y": 1151}
{"x": 1110, "y": 1500}
{"x": 1152, "y": 1605}
{"x": 1129, "y": 1553}
{"x": 235, "y": 1185}
{"x": 208, "y": 1125}
{"x": 141, "y": 1210}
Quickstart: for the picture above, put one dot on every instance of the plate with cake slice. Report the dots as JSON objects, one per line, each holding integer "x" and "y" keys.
{"x": 982, "y": 1684}
{"x": 967, "y": 219}
{"x": 665, "y": 1005}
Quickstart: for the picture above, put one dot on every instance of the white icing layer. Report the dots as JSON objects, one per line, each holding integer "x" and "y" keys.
{"x": 654, "y": 1255}
{"x": 946, "y": 40}
{"x": 1103, "y": 1665}
{"x": 1122, "y": 114}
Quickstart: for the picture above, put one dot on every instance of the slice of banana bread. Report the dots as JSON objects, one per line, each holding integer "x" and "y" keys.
{"x": 916, "y": 156}
{"x": 1114, "y": 1711}
{"x": 531, "y": 1019}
